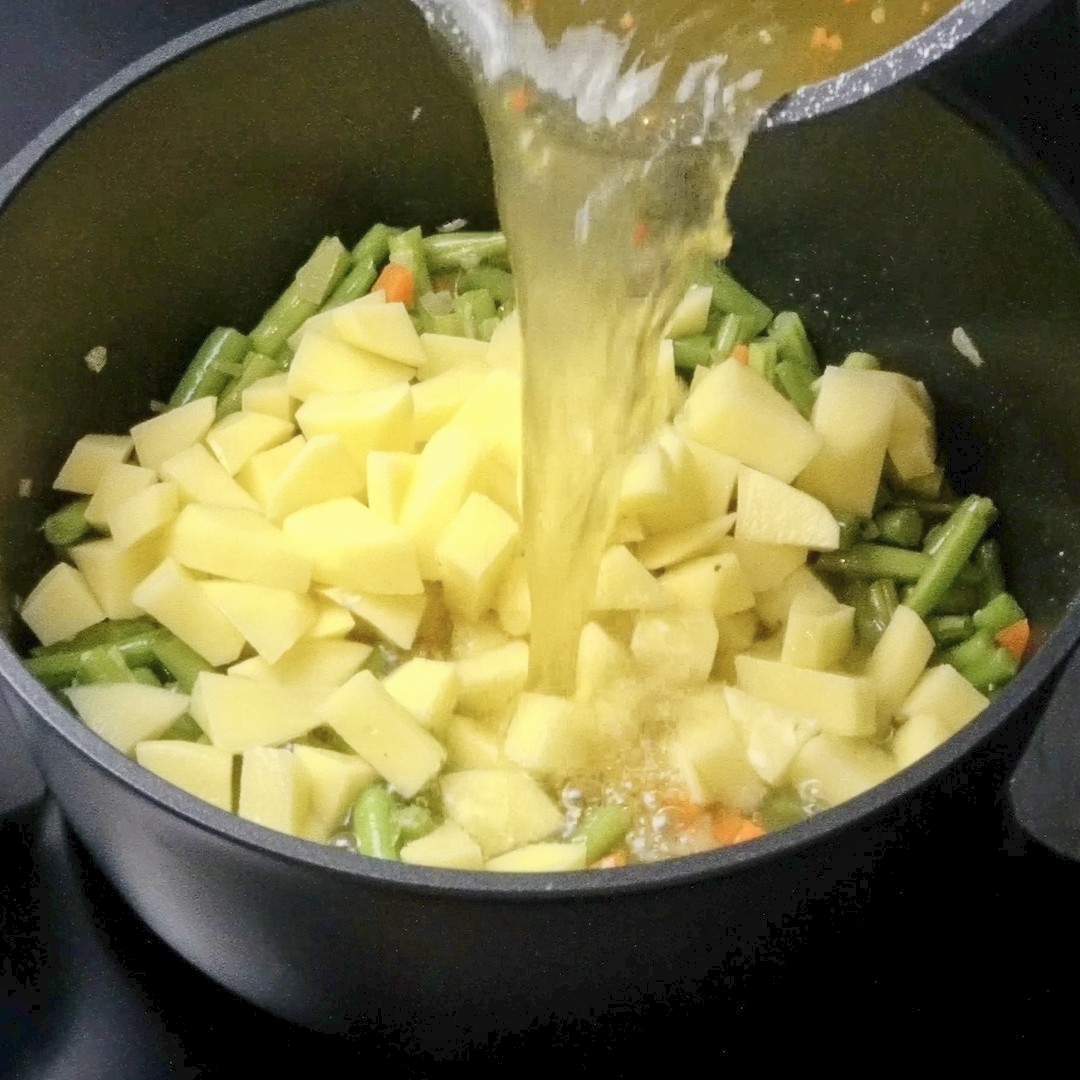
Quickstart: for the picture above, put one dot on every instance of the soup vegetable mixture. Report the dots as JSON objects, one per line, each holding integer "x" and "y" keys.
{"x": 298, "y": 591}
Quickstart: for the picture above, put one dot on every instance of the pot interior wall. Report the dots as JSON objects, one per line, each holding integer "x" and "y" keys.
{"x": 188, "y": 202}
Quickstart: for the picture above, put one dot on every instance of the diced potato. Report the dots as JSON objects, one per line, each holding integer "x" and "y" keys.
{"x": 734, "y": 410}
{"x": 165, "y": 435}
{"x": 447, "y": 351}
{"x": 774, "y": 604}
{"x": 322, "y": 470}
{"x": 173, "y": 597}
{"x": 331, "y": 619}
{"x": 60, "y": 605}
{"x": 474, "y": 744}
{"x": 125, "y": 714}
{"x": 715, "y": 583}
{"x": 692, "y": 315}
{"x": 546, "y": 736}
{"x": 238, "y": 437}
{"x": 262, "y": 472}
{"x": 540, "y": 858}
{"x": 668, "y": 548}
{"x": 474, "y": 554}
{"x": 435, "y": 400}
{"x": 834, "y": 768}
{"x": 899, "y": 659}
{"x": 601, "y": 660}
{"x": 326, "y": 365}
{"x": 113, "y": 573}
{"x": 427, "y": 688}
{"x": 677, "y": 646}
{"x": 312, "y": 665}
{"x": 918, "y": 736}
{"x": 118, "y": 483}
{"x": 396, "y": 618}
{"x": 144, "y": 513}
{"x": 912, "y": 448}
{"x": 492, "y": 412}
{"x": 364, "y": 422}
{"x": 772, "y": 735}
{"x": 448, "y": 846}
{"x": 203, "y": 771}
{"x": 842, "y": 704}
{"x": 468, "y": 638}
{"x": 200, "y": 478}
{"x": 623, "y": 584}
{"x": 944, "y": 693}
{"x": 384, "y": 733}
{"x": 269, "y": 395}
{"x": 505, "y": 348}
{"x": 513, "y": 604}
{"x": 237, "y": 714}
{"x": 500, "y": 808}
{"x": 819, "y": 633}
{"x": 491, "y": 680}
{"x": 707, "y": 752}
{"x": 352, "y": 547}
{"x": 88, "y": 461}
{"x": 772, "y": 512}
{"x": 238, "y": 544}
{"x": 389, "y": 475}
{"x": 335, "y": 781}
{"x": 766, "y": 565}
{"x": 853, "y": 414}
{"x": 384, "y": 329}
{"x": 271, "y": 620}
{"x": 274, "y": 790}
{"x": 714, "y": 476}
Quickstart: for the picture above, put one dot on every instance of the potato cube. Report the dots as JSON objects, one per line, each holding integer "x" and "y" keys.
{"x": 918, "y": 736}
{"x": 623, "y": 584}
{"x": 448, "y": 846}
{"x": 116, "y": 484}
{"x": 144, "y": 513}
{"x": 546, "y": 736}
{"x": 819, "y": 633}
{"x": 427, "y": 688}
{"x": 274, "y": 790}
{"x": 765, "y": 565}
{"x": 714, "y": 476}
{"x": 474, "y": 744}
{"x": 113, "y": 573}
{"x": 384, "y": 733}
{"x": 841, "y": 704}
{"x": 389, "y": 475}
{"x": 834, "y": 768}
{"x": 774, "y": 604}
{"x": 124, "y": 714}
{"x": 60, "y": 605}
{"x": 322, "y": 470}
{"x": 505, "y": 350}
{"x": 500, "y": 808}
{"x": 436, "y": 400}
{"x": 540, "y": 858}
{"x": 664, "y": 549}
{"x": 176, "y": 600}
{"x": 692, "y": 315}
{"x": 772, "y": 735}
{"x": 262, "y": 471}
{"x": 772, "y": 512}
{"x": 237, "y": 714}
{"x": 944, "y": 693}
{"x": 492, "y": 411}
{"x": 352, "y": 547}
{"x": 238, "y": 437}
{"x": 898, "y": 660}
{"x": 473, "y": 555}
{"x": 335, "y": 781}
{"x": 447, "y": 351}
{"x": 238, "y": 544}
{"x": 395, "y": 618}
{"x": 203, "y": 771}
{"x": 314, "y": 666}
{"x": 271, "y": 620}
{"x": 269, "y": 396}
{"x": 384, "y": 329}
{"x": 331, "y": 619}
{"x": 600, "y": 661}
{"x": 165, "y": 435}
{"x": 676, "y": 646}
{"x": 200, "y": 478}
{"x": 513, "y": 604}
{"x": 491, "y": 680}
{"x": 715, "y": 583}
{"x": 327, "y": 365}
{"x": 90, "y": 457}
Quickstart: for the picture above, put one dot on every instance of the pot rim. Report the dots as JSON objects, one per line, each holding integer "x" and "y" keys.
{"x": 526, "y": 887}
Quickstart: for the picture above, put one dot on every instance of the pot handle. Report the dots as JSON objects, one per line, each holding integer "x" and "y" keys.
{"x": 1044, "y": 790}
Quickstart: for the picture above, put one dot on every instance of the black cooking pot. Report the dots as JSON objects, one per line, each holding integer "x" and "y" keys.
{"x": 186, "y": 200}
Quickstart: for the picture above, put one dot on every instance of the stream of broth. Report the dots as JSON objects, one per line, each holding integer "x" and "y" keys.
{"x": 616, "y": 129}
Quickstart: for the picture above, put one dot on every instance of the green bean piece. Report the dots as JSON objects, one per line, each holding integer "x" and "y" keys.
{"x": 794, "y": 346}
{"x": 694, "y": 351}
{"x": 931, "y": 508}
{"x": 934, "y": 536}
{"x": 407, "y": 249}
{"x": 602, "y": 828}
{"x": 780, "y": 810}
{"x": 728, "y": 335}
{"x": 383, "y": 659}
{"x": 475, "y": 308}
{"x": 414, "y": 821}
{"x": 763, "y": 357}
{"x": 374, "y": 246}
{"x": 68, "y": 525}
{"x": 55, "y": 670}
{"x": 730, "y": 297}
{"x": 375, "y": 825}
{"x": 209, "y": 373}
{"x": 970, "y": 521}
{"x": 356, "y": 283}
{"x": 128, "y": 634}
{"x": 962, "y": 598}
{"x": 869, "y": 530}
{"x": 850, "y": 530}
{"x": 103, "y": 664}
{"x": 256, "y": 366}
{"x": 900, "y": 525}
{"x": 287, "y": 315}
{"x": 463, "y": 250}
{"x": 987, "y": 560}
{"x": 883, "y": 600}
{"x": 996, "y": 614}
{"x": 949, "y": 630}
{"x": 319, "y": 276}
{"x": 862, "y": 361}
{"x": 498, "y": 282}
{"x": 875, "y": 561}
{"x": 796, "y": 383}
{"x": 450, "y": 323}
{"x": 146, "y": 676}
{"x": 983, "y": 663}
{"x": 183, "y": 730}
{"x": 179, "y": 659}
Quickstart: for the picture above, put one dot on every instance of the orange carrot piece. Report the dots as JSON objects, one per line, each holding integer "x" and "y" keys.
{"x": 748, "y": 830}
{"x": 741, "y": 353}
{"x": 518, "y": 99}
{"x": 396, "y": 281}
{"x": 640, "y": 233}
{"x": 732, "y": 828}
{"x": 1015, "y": 637}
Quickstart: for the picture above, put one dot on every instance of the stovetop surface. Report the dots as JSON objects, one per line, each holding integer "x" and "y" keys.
{"x": 941, "y": 970}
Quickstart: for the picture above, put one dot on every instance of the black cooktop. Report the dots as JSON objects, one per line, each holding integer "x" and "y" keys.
{"x": 940, "y": 969}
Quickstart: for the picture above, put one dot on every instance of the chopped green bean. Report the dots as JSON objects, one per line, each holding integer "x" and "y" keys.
{"x": 694, "y": 351}
{"x": 961, "y": 598}
{"x": 730, "y": 297}
{"x": 407, "y": 249}
{"x": 794, "y": 346}
{"x": 256, "y": 366}
{"x": 413, "y": 821}
{"x": 180, "y": 660}
{"x": 68, "y": 525}
{"x": 497, "y": 282}
{"x": 209, "y": 372}
{"x": 987, "y": 560}
{"x": 875, "y": 561}
{"x": 780, "y": 810}
{"x": 475, "y": 307}
{"x": 850, "y": 530}
{"x": 900, "y": 525}
{"x": 103, "y": 664}
{"x": 862, "y": 361}
{"x": 796, "y": 383}
{"x": 375, "y": 825}
{"x": 883, "y": 600}
{"x": 146, "y": 676}
{"x": 983, "y": 663}
{"x": 318, "y": 277}
{"x": 970, "y": 521}
{"x": 950, "y": 630}
{"x": 996, "y": 614}
{"x": 602, "y": 828}
{"x": 728, "y": 335}
{"x": 763, "y": 357}
{"x": 374, "y": 246}
{"x": 356, "y": 283}
{"x": 463, "y": 250}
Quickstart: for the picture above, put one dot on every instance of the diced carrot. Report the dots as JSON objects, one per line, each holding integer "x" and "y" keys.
{"x": 396, "y": 281}
{"x": 741, "y": 353}
{"x": 611, "y": 862}
{"x": 518, "y": 99}
{"x": 640, "y": 233}
{"x": 1015, "y": 637}
{"x": 748, "y": 830}
{"x": 732, "y": 828}
{"x": 686, "y": 813}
